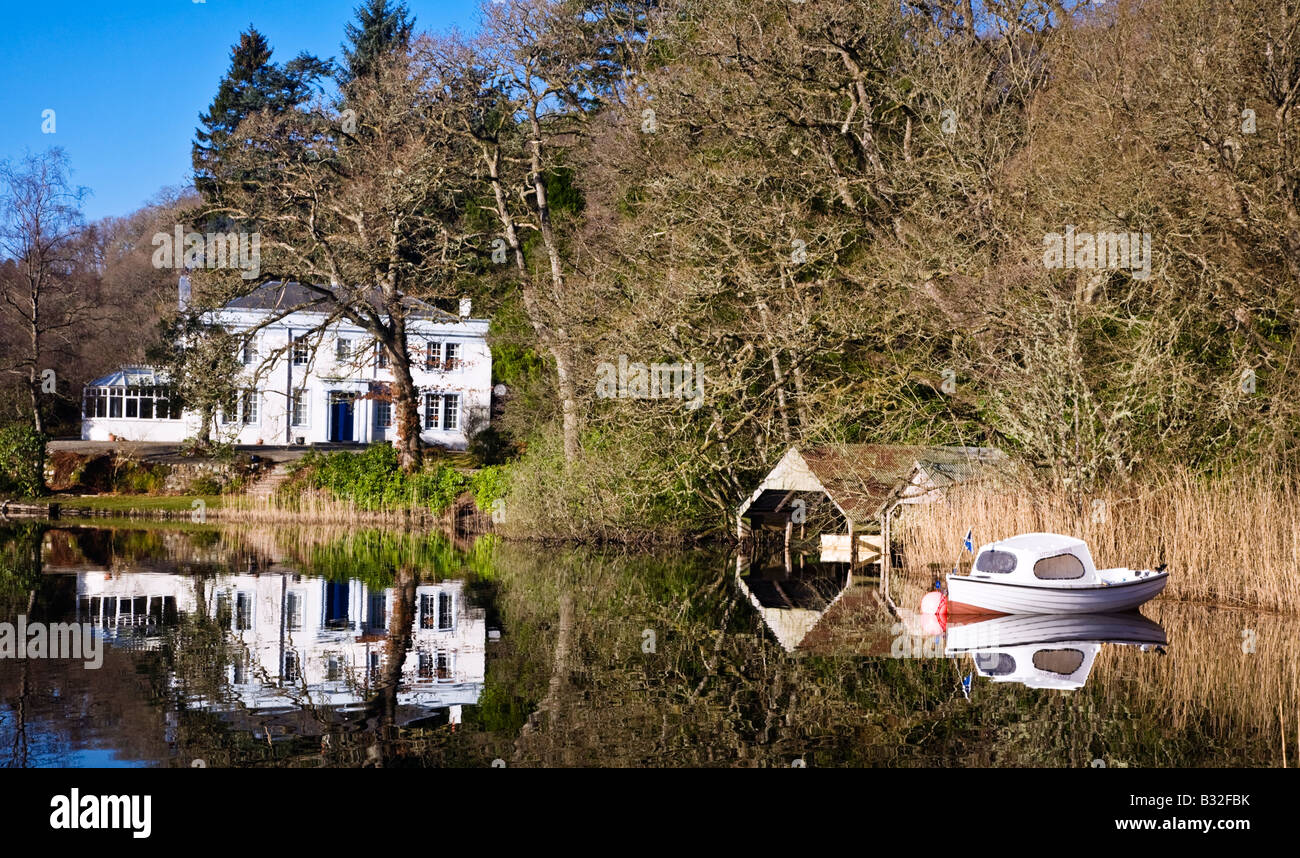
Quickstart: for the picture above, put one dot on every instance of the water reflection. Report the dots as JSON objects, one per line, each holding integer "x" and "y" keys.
{"x": 257, "y": 648}
{"x": 1048, "y": 651}
{"x": 818, "y": 608}
{"x": 291, "y": 639}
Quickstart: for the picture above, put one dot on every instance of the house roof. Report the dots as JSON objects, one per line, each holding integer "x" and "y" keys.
{"x": 860, "y": 479}
{"x": 292, "y": 296}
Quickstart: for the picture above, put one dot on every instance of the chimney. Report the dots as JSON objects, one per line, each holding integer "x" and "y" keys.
{"x": 183, "y": 293}
{"x": 465, "y": 305}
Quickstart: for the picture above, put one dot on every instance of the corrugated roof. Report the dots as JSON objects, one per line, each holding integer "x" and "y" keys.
{"x": 861, "y": 478}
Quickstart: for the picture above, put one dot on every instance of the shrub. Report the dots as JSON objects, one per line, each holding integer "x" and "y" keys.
{"x": 22, "y": 461}
{"x": 373, "y": 480}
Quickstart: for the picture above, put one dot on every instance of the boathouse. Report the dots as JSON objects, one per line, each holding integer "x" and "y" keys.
{"x": 846, "y": 495}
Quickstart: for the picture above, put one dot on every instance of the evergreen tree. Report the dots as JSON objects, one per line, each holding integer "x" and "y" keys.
{"x": 380, "y": 28}
{"x": 252, "y": 84}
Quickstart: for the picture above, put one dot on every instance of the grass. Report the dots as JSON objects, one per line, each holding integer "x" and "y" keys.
{"x": 125, "y": 503}
{"x": 1230, "y": 540}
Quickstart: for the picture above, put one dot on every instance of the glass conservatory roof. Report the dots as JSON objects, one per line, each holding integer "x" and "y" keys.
{"x": 131, "y": 376}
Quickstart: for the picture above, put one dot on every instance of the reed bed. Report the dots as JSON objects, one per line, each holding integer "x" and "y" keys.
{"x": 1232, "y": 541}
{"x": 316, "y": 507}
{"x": 1228, "y": 670}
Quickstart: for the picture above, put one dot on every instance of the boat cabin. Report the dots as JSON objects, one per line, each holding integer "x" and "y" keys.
{"x": 1033, "y": 558}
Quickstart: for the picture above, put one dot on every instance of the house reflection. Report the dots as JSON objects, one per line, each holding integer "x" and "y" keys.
{"x": 294, "y": 641}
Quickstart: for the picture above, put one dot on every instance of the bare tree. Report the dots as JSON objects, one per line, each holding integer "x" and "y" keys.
{"x": 40, "y": 230}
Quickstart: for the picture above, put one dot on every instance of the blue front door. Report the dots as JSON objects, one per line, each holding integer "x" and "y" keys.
{"x": 340, "y": 418}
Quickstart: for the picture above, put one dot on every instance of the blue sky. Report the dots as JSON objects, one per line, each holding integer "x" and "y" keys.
{"x": 128, "y": 80}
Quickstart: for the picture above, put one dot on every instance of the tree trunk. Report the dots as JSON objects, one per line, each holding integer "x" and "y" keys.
{"x": 406, "y": 398}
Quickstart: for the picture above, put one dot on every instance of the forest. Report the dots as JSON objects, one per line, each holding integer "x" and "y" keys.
{"x": 1069, "y": 230}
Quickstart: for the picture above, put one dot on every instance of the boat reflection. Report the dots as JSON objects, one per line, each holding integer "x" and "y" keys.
{"x": 819, "y": 608}
{"x": 1048, "y": 651}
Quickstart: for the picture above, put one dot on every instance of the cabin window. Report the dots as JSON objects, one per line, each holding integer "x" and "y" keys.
{"x": 1059, "y": 661}
{"x": 995, "y": 663}
{"x": 1060, "y": 566}
{"x": 996, "y": 561}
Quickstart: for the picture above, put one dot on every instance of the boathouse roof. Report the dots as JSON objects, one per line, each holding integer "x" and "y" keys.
{"x": 863, "y": 479}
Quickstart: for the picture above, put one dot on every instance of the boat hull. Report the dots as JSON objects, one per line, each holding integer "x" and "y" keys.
{"x": 976, "y": 596}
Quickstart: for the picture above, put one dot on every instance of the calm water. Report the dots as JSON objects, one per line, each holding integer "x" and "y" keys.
{"x": 242, "y": 647}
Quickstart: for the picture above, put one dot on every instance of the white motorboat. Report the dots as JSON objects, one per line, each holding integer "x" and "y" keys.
{"x": 1047, "y": 573}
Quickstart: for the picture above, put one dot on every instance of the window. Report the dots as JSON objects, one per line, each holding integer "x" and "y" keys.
{"x": 299, "y": 408}
{"x": 241, "y": 409}
{"x": 115, "y": 402}
{"x": 428, "y": 614}
{"x": 132, "y": 403}
{"x": 248, "y": 407}
{"x": 433, "y": 355}
{"x": 383, "y": 415}
{"x": 291, "y": 671}
{"x": 432, "y": 401}
{"x": 995, "y": 663}
{"x": 996, "y": 561}
{"x": 381, "y": 357}
{"x": 230, "y": 410}
{"x": 1061, "y": 566}
{"x": 442, "y": 665}
{"x": 1059, "y": 661}
{"x": 342, "y": 350}
{"x": 425, "y": 665}
{"x": 223, "y": 614}
{"x": 299, "y": 351}
{"x": 453, "y": 356}
{"x": 446, "y": 620}
{"x": 243, "y": 611}
{"x": 293, "y": 611}
{"x": 377, "y": 616}
{"x": 248, "y": 351}
{"x": 451, "y": 411}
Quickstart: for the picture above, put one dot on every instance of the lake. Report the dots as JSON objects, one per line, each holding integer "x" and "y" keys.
{"x": 234, "y": 646}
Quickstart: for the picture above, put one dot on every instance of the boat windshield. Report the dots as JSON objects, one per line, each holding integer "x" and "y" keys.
{"x": 996, "y": 561}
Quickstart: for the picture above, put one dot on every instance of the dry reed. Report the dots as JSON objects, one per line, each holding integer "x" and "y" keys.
{"x": 1228, "y": 541}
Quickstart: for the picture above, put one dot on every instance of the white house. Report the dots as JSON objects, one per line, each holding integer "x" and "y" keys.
{"x": 305, "y": 385}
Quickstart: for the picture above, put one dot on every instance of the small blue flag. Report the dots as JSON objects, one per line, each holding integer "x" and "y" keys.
{"x": 968, "y": 544}
{"x": 965, "y": 685}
